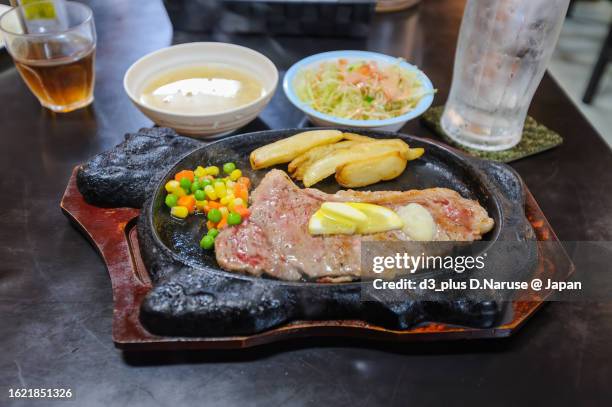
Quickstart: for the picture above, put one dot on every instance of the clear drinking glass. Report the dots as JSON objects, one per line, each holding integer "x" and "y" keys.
{"x": 54, "y": 58}
{"x": 503, "y": 50}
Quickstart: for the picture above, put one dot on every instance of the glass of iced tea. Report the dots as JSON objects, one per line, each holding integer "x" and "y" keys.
{"x": 54, "y": 50}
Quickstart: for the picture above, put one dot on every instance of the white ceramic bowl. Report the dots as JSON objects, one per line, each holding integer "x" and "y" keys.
{"x": 202, "y": 125}
{"x": 322, "y": 119}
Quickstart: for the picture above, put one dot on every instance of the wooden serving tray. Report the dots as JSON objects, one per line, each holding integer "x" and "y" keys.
{"x": 112, "y": 232}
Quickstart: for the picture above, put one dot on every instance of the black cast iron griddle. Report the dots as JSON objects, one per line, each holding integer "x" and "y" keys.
{"x": 192, "y": 296}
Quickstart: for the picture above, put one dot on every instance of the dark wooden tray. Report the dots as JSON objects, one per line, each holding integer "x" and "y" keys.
{"x": 112, "y": 233}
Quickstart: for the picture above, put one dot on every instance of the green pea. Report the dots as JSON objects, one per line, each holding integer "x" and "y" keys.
{"x": 185, "y": 183}
{"x": 195, "y": 186}
{"x": 214, "y": 215}
{"x": 171, "y": 200}
{"x": 229, "y": 167}
{"x": 205, "y": 182}
{"x": 213, "y": 232}
{"x": 199, "y": 195}
{"x": 234, "y": 218}
{"x": 207, "y": 242}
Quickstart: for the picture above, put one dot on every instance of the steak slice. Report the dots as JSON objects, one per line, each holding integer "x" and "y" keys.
{"x": 275, "y": 241}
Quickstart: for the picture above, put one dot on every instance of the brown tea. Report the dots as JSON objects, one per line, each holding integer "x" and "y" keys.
{"x": 61, "y": 83}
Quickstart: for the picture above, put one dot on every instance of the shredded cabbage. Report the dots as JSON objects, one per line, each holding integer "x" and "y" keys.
{"x": 359, "y": 90}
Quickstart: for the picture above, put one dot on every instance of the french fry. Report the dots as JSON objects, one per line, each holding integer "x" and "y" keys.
{"x": 289, "y": 148}
{"x": 414, "y": 153}
{"x": 327, "y": 165}
{"x": 410, "y": 153}
{"x": 301, "y": 163}
{"x": 372, "y": 170}
{"x": 357, "y": 137}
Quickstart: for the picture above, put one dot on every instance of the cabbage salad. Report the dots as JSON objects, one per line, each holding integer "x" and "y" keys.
{"x": 359, "y": 90}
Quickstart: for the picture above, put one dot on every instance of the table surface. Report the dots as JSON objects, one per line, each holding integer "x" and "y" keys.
{"x": 55, "y": 294}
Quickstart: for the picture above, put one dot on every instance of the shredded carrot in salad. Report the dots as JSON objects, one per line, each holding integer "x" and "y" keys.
{"x": 359, "y": 90}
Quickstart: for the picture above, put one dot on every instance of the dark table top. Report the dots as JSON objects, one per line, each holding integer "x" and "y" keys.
{"x": 55, "y": 294}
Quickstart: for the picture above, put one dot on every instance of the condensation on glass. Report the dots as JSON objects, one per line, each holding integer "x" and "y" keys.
{"x": 503, "y": 50}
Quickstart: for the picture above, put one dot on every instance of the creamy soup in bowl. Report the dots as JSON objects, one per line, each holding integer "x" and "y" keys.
{"x": 211, "y": 88}
{"x": 202, "y": 89}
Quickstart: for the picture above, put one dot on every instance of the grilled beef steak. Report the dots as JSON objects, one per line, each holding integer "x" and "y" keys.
{"x": 275, "y": 239}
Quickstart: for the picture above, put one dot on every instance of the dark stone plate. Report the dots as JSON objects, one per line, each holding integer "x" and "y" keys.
{"x": 194, "y": 297}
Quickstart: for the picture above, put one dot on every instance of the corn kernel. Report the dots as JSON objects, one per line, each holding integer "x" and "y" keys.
{"x": 179, "y": 211}
{"x": 220, "y": 189}
{"x": 225, "y": 200}
{"x": 236, "y": 202}
{"x": 212, "y": 170}
{"x": 210, "y": 192}
{"x": 179, "y": 192}
{"x": 230, "y": 185}
{"x": 172, "y": 185}
{"x": 234, "y": 175}
{"x": 200, "y": 205}
{"x": 224, "y": 211}
{"x": 200, "y": 171}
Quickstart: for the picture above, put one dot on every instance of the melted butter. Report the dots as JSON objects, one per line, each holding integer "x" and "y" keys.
{"x": 201, "y": 89}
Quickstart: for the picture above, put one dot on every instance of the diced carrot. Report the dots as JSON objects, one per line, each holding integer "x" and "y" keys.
{"x": 241, "y": 191}
{"x": 237, "y": 188}
{"x": 222, "y": 223}
{"x": 244, "y": 181}
{"x": 210, "y": 225}
{"x": 188, "y": 201}
{"x": 365, "y": 70}
{"x": 242, "y": 211}
{"x": 185, "y": 174}
{"x": 214, "y": 204}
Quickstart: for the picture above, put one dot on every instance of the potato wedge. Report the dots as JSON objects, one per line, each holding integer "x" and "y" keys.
{"x": 357, "y": 137}
{"x": 327, "y": 165}
{"x": 414, "y": 153}
{"x": 287, "y": 149}
{"x": 411, "y": 153}
{"x": 316, "y": 153}
{"x": 407, "y": 152}
{"x": 298, "y": 166}
{"x": 370, "y": 171}
{"x": 400, "y": 144}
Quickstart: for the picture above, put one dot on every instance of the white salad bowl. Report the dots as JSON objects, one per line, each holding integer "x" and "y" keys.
{"x": 203, "y": 124}
{"x": 322, "y": 119}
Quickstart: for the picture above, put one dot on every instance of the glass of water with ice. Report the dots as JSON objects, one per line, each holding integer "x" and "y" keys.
{"x": 502, "y": 53}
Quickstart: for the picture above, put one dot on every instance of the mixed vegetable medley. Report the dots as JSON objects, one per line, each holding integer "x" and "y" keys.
{"x": 222, "y": 197}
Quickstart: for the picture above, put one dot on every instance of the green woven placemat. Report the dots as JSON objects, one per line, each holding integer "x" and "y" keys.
{"x": 536, "y": 138}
